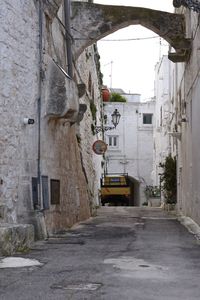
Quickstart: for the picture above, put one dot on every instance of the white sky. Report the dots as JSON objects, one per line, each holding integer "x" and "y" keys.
{"x": 133, "y": 62}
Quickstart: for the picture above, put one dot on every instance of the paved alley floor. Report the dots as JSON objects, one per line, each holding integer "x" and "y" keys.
{"x": 124, "y": 253}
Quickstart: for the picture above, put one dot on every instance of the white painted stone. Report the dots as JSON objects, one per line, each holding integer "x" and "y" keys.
{"x": 60, "y": 152}
{"x": 182, "y": 98}
{"x": 18, "y": 262}
{"x": 163, "y": 142}
{"x": 133, "y": 153}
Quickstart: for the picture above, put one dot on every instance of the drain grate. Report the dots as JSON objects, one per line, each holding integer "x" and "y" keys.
{"x": 78, "y": 286}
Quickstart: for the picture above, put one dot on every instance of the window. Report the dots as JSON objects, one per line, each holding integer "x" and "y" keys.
{"x": 55, "y": 191}
{"x": 35, "y": 192}
{"x": 147, "y": 118}
{"x": 113, "y": 141}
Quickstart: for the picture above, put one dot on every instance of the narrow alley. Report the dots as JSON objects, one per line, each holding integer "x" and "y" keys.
{"x": 123, "y": 253}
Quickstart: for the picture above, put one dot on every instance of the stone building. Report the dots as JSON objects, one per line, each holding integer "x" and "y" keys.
{"x": 48, "y": 173}
{"x": 163, "y": 116}
{"x": 180, "y": 130}
{"x": 185, "y": 95}
{"x": 130, "y": 145}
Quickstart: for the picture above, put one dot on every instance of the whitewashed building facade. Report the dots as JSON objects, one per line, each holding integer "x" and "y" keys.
{"x": 130, "y": 145}
{"x": 163, "y": 117}
{"x": 177, "y": 91}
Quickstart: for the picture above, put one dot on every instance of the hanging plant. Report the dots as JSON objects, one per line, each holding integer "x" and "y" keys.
{"x": 168, "y": 179}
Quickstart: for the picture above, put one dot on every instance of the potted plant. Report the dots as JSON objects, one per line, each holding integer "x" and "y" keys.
{"x": 153, "y": 195}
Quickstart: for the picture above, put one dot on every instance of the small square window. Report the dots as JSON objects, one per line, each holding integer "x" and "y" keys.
{"x": 113, "y": 141}
{"x": 147, "y": 118}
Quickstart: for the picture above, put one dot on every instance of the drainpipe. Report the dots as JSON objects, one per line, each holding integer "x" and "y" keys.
{"x": 39, "y": 103}
{"x": 67, "y": 5}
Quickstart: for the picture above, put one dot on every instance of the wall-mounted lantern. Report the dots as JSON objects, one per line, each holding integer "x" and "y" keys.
{"x": 115, "y": 120}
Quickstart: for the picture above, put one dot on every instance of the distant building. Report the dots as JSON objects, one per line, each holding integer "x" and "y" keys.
{"x": 163, "y": 116}
{"x": 130, "y": 145}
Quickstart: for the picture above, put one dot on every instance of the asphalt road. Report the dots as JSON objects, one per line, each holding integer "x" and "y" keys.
{"x": 123, "y": 253}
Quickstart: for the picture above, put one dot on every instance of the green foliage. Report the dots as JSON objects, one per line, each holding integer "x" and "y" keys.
{"x": 152, "y": 191}
{"x": 168, "y": 179}
{"x": 93, "y": 109}
{"x": 115, "y": 97}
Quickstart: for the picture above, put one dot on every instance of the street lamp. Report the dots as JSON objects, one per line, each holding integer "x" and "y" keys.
{"x": 115, "y": 120}
{"x": 115, "y": 117}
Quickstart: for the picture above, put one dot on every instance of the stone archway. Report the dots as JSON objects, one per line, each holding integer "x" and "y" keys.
{"x": 91, "y": 22}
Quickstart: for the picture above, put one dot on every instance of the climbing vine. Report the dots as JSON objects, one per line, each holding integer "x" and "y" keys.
{"x": 168, "y": 179}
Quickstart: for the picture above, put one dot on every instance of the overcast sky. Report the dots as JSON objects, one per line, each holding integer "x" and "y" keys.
{"x": 130, "y": 64}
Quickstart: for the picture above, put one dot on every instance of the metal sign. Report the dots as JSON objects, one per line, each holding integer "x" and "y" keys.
{"x": 99, "y": 147}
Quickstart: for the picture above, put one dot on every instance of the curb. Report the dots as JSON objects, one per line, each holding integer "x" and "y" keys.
{"x": 191, "y": 225}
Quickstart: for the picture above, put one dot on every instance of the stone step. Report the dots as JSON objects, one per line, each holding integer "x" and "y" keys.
{"x": 15, "y": 238}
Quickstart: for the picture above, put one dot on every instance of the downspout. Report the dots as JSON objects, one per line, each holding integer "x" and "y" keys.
{"x": 40, "y": 226}
{"x": 67, "y": 5}
{"x": 39, "y": 104}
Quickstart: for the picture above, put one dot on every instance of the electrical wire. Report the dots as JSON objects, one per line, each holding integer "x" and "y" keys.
{"x": 117, "y": 40}
{"x": 129, "y": 39}
{"x": 96, "y": 39}
{"x": 112, "y": 40}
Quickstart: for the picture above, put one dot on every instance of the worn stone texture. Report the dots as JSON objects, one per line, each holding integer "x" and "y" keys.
{"x": 61, "y": 95}
{"x": 187, "y": 100}
{"x": 182, "y": 86}
{"x": 15, "y": 238}
{"x": 61, "y": 157}
{"x": 18, "y": 93}
{"x": 90, "y": 77}
{"x": 95, "y": 21}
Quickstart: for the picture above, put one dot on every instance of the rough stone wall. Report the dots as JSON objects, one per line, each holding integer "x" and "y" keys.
{"x": 60, "y": 154}
{"x": 18, "y": 92}
{"x": 187, "y": 106}
{"x": 91, "y": 77}
{"x": 95, "y": 21}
